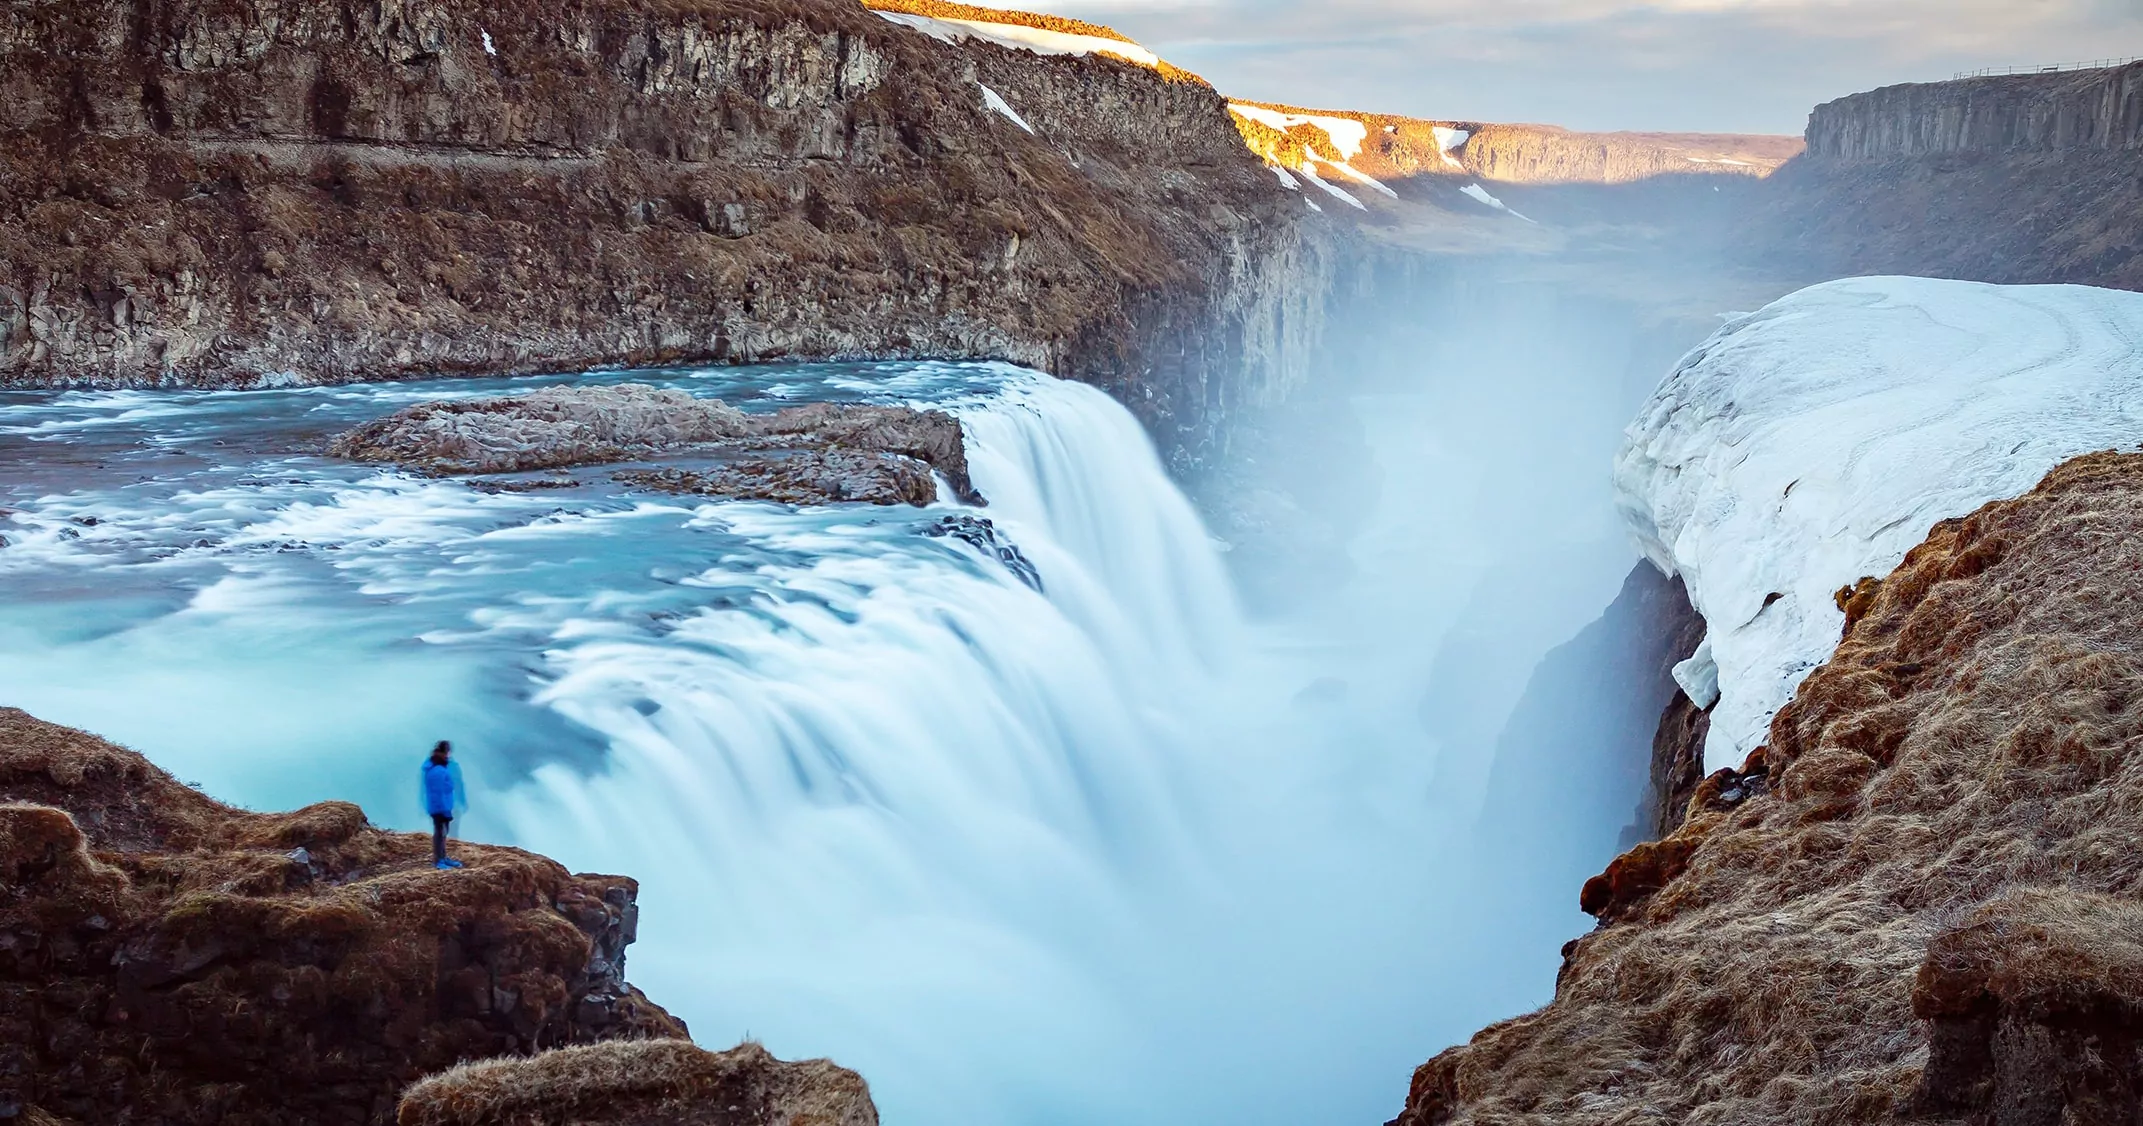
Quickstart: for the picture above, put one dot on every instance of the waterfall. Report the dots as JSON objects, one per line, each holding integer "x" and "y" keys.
{"x": 1075, "y": 851}
{"x": 947, "y": 828}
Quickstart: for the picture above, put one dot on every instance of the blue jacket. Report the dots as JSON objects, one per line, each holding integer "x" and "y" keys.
{"x": 442, "y": 790}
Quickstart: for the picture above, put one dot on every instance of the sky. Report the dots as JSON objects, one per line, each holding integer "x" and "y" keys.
{"x": 1749, "y": 66}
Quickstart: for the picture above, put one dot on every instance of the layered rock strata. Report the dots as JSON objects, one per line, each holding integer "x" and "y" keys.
{"x": 220, "y": 195}
{"x": 813, "y": 454}
{"x": 167, "y": 958}
{"x": 1912, "y": 901}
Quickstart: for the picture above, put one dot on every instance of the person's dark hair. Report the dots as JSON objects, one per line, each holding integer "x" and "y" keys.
{"x": 442, "y": 749}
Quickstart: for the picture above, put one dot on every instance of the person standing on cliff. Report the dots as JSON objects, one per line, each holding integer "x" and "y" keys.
{"x": 444, "y": 798}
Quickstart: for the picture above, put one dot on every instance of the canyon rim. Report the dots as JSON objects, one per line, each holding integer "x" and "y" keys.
{"x": 1075, "y": 593}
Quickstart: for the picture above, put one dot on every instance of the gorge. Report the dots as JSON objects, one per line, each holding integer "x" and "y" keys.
{"x": 1227, "y": 715}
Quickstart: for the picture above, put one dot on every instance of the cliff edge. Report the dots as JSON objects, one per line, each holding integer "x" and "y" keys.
{"x": 1918, "y": 901}
{"x": 165, "y": 957}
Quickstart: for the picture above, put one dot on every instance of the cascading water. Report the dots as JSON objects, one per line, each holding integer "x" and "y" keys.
{"x": 1087, "y": 853}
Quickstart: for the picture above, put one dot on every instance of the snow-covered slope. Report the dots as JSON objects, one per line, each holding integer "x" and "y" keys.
{"x": 1042, "y": 41}
{"x": 1346, "y": 134}
{"x": 1813, "y": 443}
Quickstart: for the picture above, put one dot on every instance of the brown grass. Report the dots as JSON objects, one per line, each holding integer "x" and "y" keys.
{"x": 1955, "y": 789}
{"x": 640, "y": 1081}
{"x": 214, "y": 974}
{"x": 2045, "y": 952}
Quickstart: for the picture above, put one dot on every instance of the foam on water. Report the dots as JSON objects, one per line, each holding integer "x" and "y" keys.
{"x": 1067, "y": 855}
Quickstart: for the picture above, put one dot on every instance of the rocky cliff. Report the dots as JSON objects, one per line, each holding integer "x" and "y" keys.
{"x": 1917, "y": 901}
{"x": 2073, "y": 110}
{"x": 166, "y": 958}
{"x": 2029, "y": 178}
{"x": 316, "y": 190}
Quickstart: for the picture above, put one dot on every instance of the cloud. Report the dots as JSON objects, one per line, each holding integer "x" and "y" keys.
{"x": 1727, "y": 65}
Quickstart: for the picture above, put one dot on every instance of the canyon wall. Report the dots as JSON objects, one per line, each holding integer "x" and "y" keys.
{"x": 203, "y": 194}
{"x": 2029, "y": 178}
{"x": 2090, "y": 109}
{"x": 1544, "y": 154}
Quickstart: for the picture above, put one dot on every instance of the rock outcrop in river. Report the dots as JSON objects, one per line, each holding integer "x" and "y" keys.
{"x": 167, "y": 958}
{"x": 1918, "y": 901}
{"x": 642, "y": 1083}
{"x": 814, "y": 454}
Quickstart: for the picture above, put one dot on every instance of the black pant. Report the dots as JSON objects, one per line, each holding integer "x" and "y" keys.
{"x": 439, "y": 824}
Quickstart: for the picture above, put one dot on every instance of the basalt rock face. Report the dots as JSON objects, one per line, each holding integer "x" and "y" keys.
{"x": 813, "y": 454}
{"x": 1588, "y": 721}
{"x": 2030, "y": 178}
{"x": 1242, "y": 330}
{"x": 2101, "y": 109}
{"x": 316, "y": 191}
{"x": 642, "y": 1083}
{"x": 1918, "y": 901}
{"x": 166, "y": 958}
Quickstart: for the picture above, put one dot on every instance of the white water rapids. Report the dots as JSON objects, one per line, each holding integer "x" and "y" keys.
{"x": 1099, "y": 853}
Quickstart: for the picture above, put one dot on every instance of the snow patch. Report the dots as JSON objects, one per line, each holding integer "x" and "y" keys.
{"x": 1480, "y": 193}
{"x": 490, "y": 48}
{"x": 1361, "y": 178}
{"x": 991, "y": 99}
{"x": 1312, "y": 203}
{"x": 1309, "y": 169}
{"x": 1041, "y": 41}
{"x": 1719, "y": 160}
{"x": 1448, "y": 139}
{"x": 1287, "y": 179}
{"x": 1345, "y": 133}
{"x": 1699, "y": 676}
{"x": 1814, "y": 442}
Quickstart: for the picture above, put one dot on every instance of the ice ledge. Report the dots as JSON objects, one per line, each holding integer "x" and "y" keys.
{"x": 1815, "y": 442}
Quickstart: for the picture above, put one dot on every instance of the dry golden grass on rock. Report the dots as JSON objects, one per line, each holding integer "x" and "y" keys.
{"x": 947, "y": 10}
{"x": 166, "y": 958}
{"x": 1946, "y": 816}
{"x": 641, "y": 1083}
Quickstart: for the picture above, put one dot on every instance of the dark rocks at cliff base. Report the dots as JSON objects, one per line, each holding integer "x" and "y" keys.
{"x": 983, "y": 536}
{"x": 821, "y": 453}
{"x": 167, "y": 958}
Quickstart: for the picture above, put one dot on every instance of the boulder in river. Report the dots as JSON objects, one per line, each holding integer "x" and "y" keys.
{"x": 813, "y": 454}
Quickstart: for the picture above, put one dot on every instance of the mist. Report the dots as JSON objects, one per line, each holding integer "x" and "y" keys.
{"x": 1114, "y": 846}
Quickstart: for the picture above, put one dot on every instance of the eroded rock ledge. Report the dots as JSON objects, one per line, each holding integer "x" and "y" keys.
{"x": 167, "y": 958}
{"x": 814, "y": 454}
{"x": 1918, "y": 899}
{"x": 642, "y": 1083}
